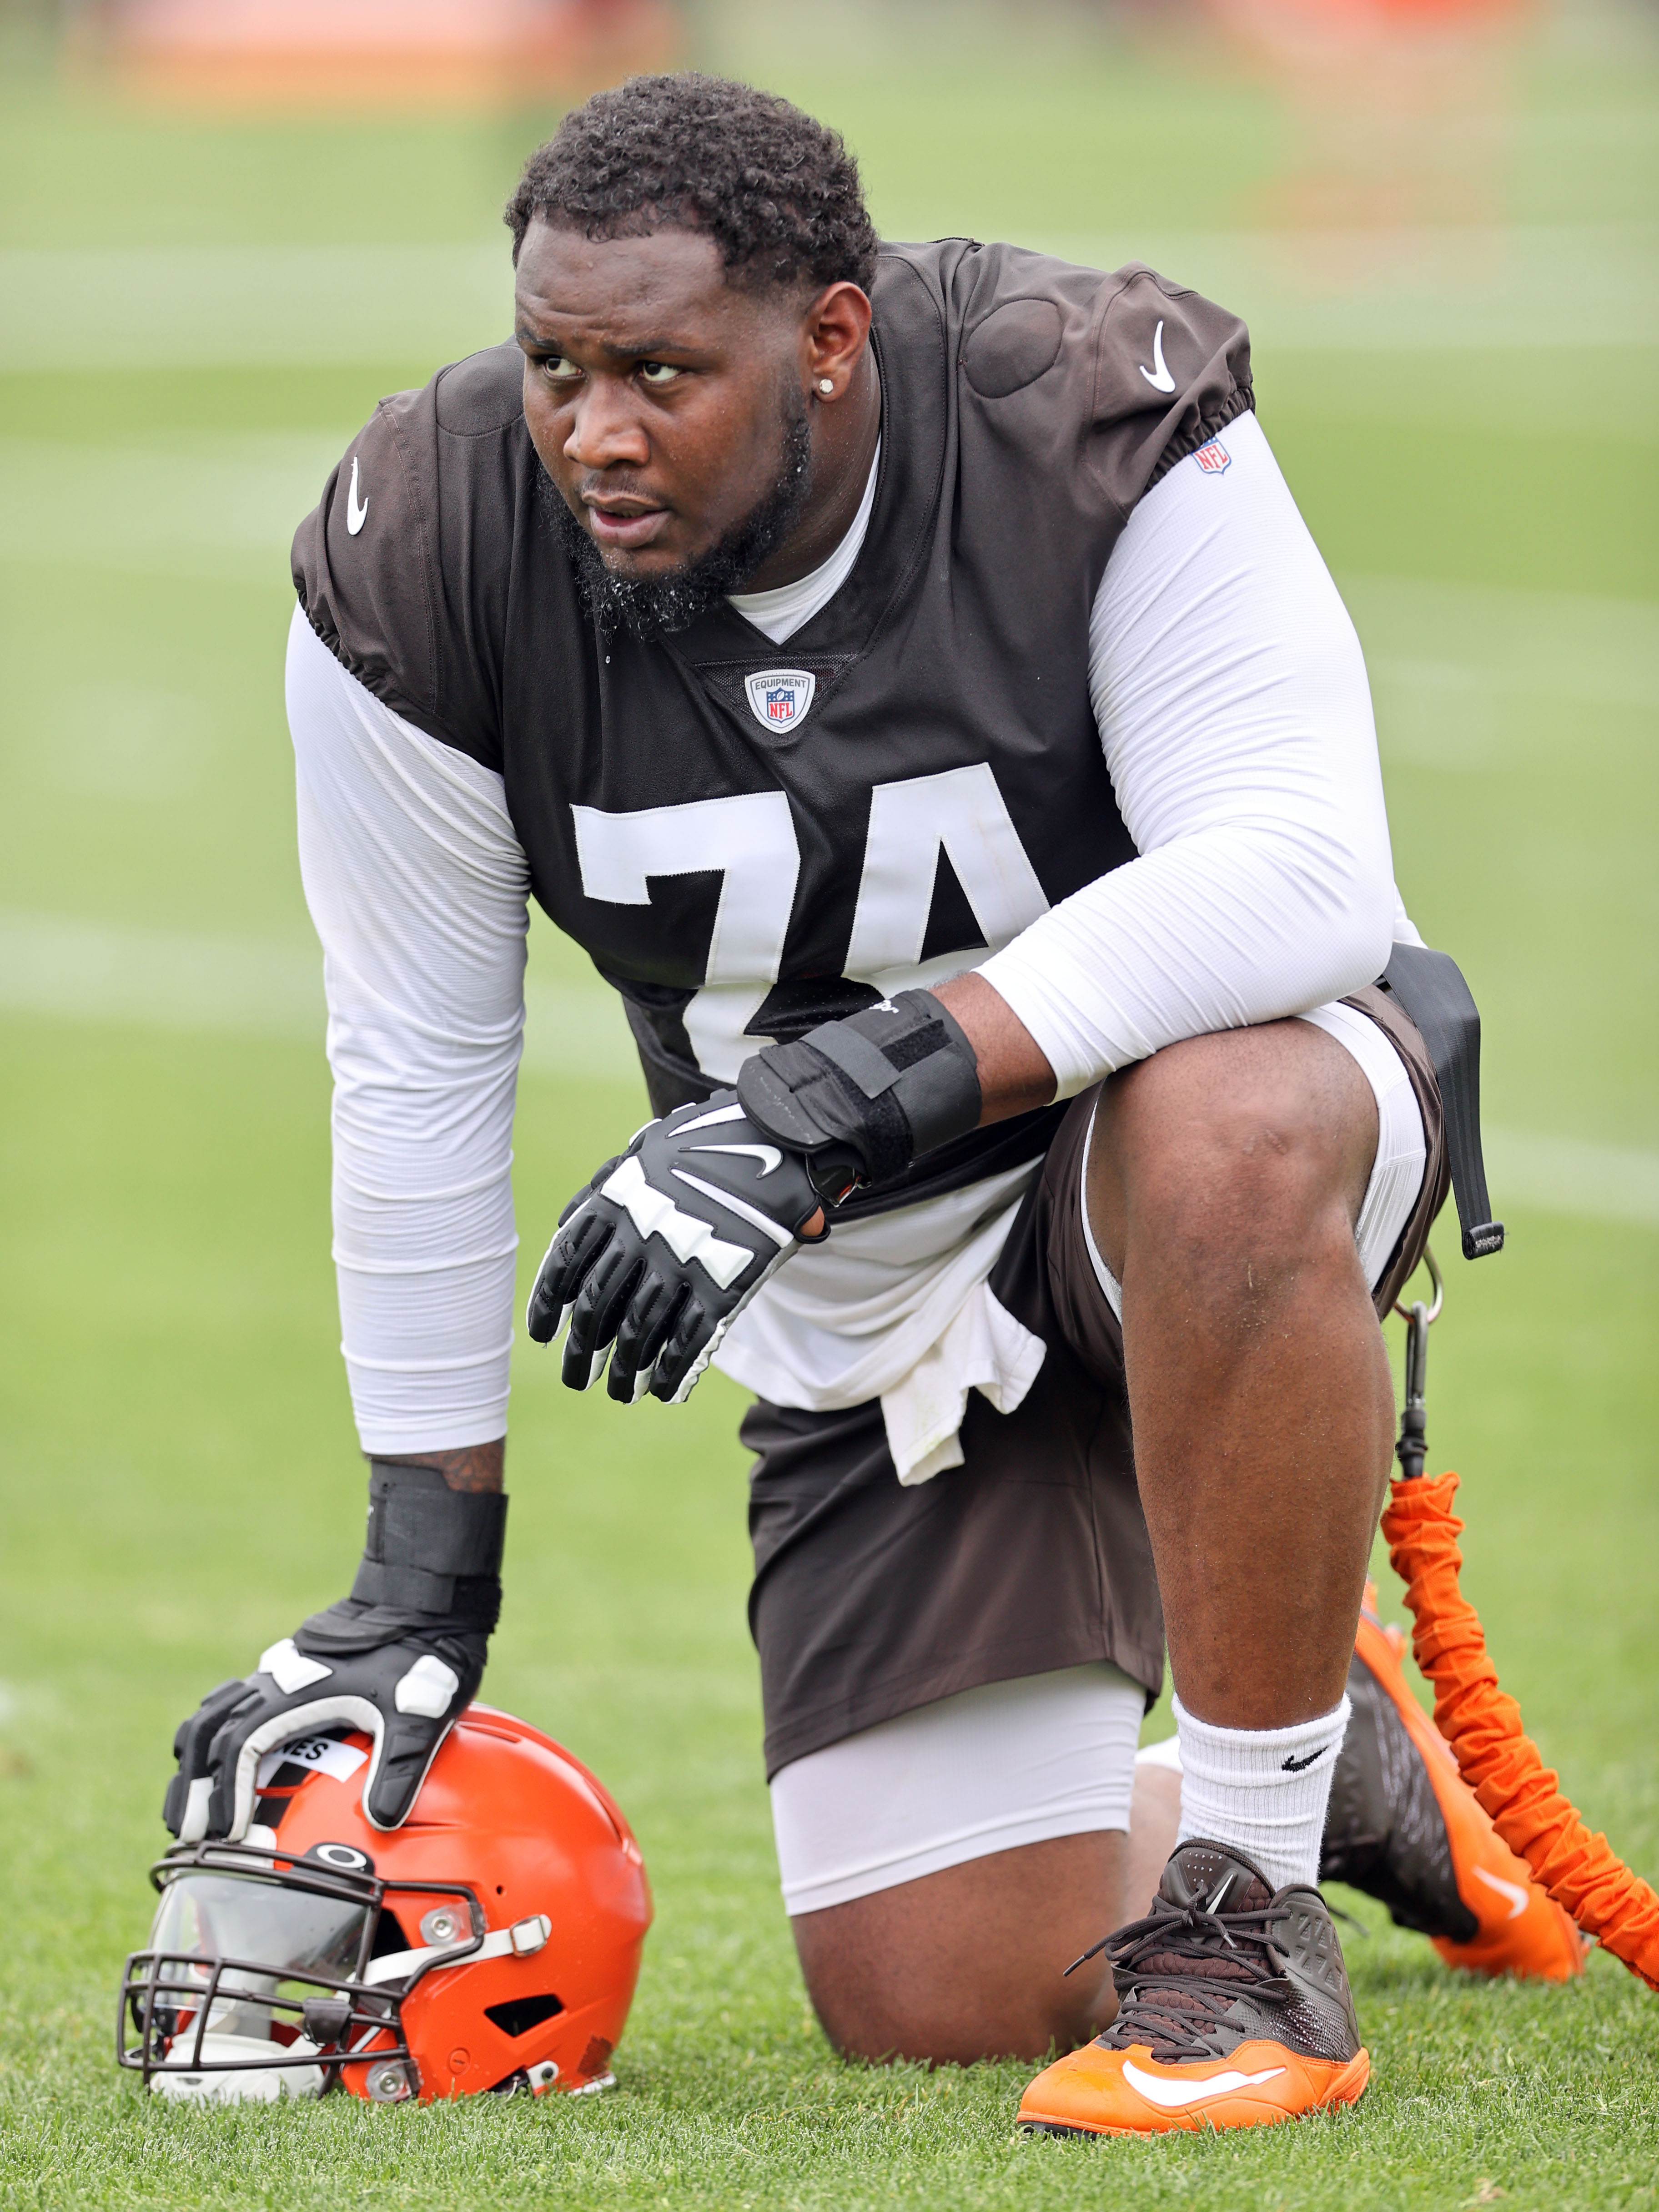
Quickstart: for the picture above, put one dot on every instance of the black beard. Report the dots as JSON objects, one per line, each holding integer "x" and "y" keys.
{"x": 649, "y": 607}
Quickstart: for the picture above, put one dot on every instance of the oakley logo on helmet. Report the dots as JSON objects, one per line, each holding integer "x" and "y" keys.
{"x": 346, "y": 1858}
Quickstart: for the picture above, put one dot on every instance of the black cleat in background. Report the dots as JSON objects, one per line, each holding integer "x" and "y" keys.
{"x": 1385, "y": 1833}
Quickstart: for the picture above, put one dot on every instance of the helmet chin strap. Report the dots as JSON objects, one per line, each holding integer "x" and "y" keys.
{"x": 519, "y": 1940}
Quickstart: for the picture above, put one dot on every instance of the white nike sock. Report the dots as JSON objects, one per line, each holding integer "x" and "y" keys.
{"x": 1263, "y": 1790}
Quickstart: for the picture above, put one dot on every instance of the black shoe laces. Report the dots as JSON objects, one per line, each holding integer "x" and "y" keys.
{"x": 1182, "y": 1969}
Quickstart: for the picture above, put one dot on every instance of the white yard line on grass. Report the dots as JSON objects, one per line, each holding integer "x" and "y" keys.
{"x": 222, "y": 507}
{"x": 214, "y": 508}
{"x": 89, "y": 971}
{"x": 1419, "y": 289}
{"x": 277, "y": 306}
{"x": 1429, "y": 290}
{"x": 1564, "y": 1175}
{"x": 1474, "y": 677}
{"x": 1606, "y": 649}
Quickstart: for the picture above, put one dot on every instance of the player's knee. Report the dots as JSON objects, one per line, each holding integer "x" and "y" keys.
{"x": 870, "y": 2012}
{"x": 1253, "y": 1141}
{"x": 934, "y": 1971}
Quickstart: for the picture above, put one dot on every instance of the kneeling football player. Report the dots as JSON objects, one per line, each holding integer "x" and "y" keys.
{"x": 905, "y": 671}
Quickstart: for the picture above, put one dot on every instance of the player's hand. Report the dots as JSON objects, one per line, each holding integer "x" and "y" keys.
{"x": 667, "y": 1246}
{"x": 406, "y": 1694}
{"x": 401, "y": 1658}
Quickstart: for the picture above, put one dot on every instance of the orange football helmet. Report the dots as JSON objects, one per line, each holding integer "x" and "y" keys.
{"x": 491, "y": 1943}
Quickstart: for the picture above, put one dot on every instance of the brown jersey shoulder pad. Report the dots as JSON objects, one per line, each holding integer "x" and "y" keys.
{"x": 403, "y": 567}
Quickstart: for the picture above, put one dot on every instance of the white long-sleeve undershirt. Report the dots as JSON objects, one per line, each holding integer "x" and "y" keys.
{"x": 1231, "y": 694}
{"x": 419, "y": 890}
{"x": 1231, "y": 697}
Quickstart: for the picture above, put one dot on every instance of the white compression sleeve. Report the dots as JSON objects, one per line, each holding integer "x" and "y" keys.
{"x": 418, "y": 887}
{"x": 1233, "y": 706}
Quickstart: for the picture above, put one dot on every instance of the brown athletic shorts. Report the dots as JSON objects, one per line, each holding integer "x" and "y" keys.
{"x": 870, "y": 1599}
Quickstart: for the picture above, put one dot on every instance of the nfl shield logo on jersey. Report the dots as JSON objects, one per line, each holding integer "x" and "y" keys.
{"x": 779, "y": 697}
{"x": 1213, "y": 458}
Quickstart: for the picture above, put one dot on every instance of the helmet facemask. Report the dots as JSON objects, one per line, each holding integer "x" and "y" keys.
{"x": 266, "y": 1977}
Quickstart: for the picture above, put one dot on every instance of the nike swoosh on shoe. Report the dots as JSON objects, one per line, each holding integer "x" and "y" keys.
{"x": 1179, "y": 2096}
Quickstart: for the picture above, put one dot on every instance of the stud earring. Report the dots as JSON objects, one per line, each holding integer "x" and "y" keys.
{"x": 826, "y": 385}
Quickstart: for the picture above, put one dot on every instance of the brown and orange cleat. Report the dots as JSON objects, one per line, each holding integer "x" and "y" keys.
{"x": 1404, "y": 1826}
{"x": 1234, "y": 2012}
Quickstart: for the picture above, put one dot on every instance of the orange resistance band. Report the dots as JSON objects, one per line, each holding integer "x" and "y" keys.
{"x": 1483, "y": 1727}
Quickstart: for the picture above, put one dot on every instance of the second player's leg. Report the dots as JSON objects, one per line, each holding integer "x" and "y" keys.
{"x": 1225, "y": 1180}
{"x": 966, "y": 1963}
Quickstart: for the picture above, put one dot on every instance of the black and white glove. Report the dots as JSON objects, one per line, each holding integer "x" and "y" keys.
{"x": 401, "y": 1658}
{"x": 666, "y": 1246}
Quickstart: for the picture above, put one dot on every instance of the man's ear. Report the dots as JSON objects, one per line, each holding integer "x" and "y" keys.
{"x": 835, "y": 330}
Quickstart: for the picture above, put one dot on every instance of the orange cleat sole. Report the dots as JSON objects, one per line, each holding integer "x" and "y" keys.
{"x": 1099, "y": 2092}
{"x": 1522, "y": 1931}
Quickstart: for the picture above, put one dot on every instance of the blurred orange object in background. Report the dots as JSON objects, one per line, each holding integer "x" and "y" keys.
{"x": 375, "y": 53}
{"x": 1404, "y": 105}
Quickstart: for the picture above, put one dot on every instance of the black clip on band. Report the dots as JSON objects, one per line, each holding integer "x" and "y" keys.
{"x": 1412, "y": 1448}
{"x": 1430, "y": 988}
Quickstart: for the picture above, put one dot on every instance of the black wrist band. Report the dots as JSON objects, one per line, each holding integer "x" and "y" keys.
{"x": 431, "y": 1549}
{"x": 883, "y": 1085}
{"x": 909, "y": 1049}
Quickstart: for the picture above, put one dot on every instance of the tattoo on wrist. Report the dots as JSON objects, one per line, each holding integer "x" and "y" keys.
{"x": 471, "y": 1466}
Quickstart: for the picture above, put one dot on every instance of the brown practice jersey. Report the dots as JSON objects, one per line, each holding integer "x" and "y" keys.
{"x": 749, "y": 838}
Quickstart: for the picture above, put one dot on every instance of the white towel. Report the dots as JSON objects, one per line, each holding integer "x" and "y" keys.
{"x": 984, "y": 1349}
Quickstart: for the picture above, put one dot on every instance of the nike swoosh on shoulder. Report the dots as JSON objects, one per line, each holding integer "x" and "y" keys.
{"x": 1177, "y": 2096}
{"x": 1157, "y": 376}
{"x": 357, "y": 510}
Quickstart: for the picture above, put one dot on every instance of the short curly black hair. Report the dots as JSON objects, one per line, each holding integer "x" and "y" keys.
{"x": 778, "y": 193}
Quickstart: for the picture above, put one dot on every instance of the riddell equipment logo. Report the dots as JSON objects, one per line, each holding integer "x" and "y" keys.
{"x": 779, "y": 697}
{"x": 1213, "y": 458}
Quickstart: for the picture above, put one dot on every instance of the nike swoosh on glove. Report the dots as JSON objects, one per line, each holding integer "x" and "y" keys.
{"x": 666, "y": 1246}
{"x": 401, "y": 1658}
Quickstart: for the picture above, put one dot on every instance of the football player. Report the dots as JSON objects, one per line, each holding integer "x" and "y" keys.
{"x": 905, "y": 671}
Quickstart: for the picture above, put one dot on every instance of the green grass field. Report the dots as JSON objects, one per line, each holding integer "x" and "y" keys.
{"x": 197, "y": 318}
